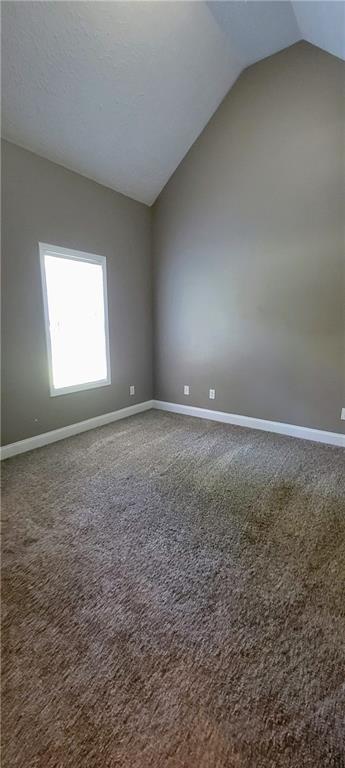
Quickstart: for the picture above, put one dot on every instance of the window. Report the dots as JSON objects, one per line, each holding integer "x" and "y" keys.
{"x": 76, "y": 319}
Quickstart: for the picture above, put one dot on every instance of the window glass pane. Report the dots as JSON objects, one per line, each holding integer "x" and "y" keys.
{"x": 75, "y": 300}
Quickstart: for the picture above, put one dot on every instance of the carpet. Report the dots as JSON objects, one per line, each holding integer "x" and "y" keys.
{"x": 174, "y": 597}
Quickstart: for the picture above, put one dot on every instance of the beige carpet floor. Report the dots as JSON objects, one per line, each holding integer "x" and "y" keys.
{"x": 174, "y": 597}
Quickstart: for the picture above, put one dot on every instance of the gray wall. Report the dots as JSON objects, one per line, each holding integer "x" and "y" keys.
{"x": 249, "y": 250}
{"x": 43, "y": 201}
{"x": 249, "y": 269}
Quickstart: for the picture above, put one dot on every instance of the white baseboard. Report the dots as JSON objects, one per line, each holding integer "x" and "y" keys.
{"x": 306, "y": 433}
{"x": 72, "y": 429}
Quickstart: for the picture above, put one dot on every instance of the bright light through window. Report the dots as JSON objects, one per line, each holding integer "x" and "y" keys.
{"x": 75, "y": 303}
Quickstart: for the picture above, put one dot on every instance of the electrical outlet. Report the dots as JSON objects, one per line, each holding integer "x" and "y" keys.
{"x": 132, "y": 390}
{"x": 342, "y": 414}
{"x": 212, "y": 394}
{"x": 186, "y": 389}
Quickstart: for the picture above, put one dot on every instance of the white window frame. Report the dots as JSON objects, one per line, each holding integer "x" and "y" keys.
{"x": 68, "y": 253}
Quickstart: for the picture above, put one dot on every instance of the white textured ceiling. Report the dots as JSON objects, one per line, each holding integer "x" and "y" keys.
{"x": 119, "y": 91}
{"x": 324, "y": 26}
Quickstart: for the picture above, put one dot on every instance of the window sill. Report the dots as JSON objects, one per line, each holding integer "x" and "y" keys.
{"x": 79, "y": 387}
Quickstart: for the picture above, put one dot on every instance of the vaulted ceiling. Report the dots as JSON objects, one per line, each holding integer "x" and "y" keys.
{"x": 119, "y": 91}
